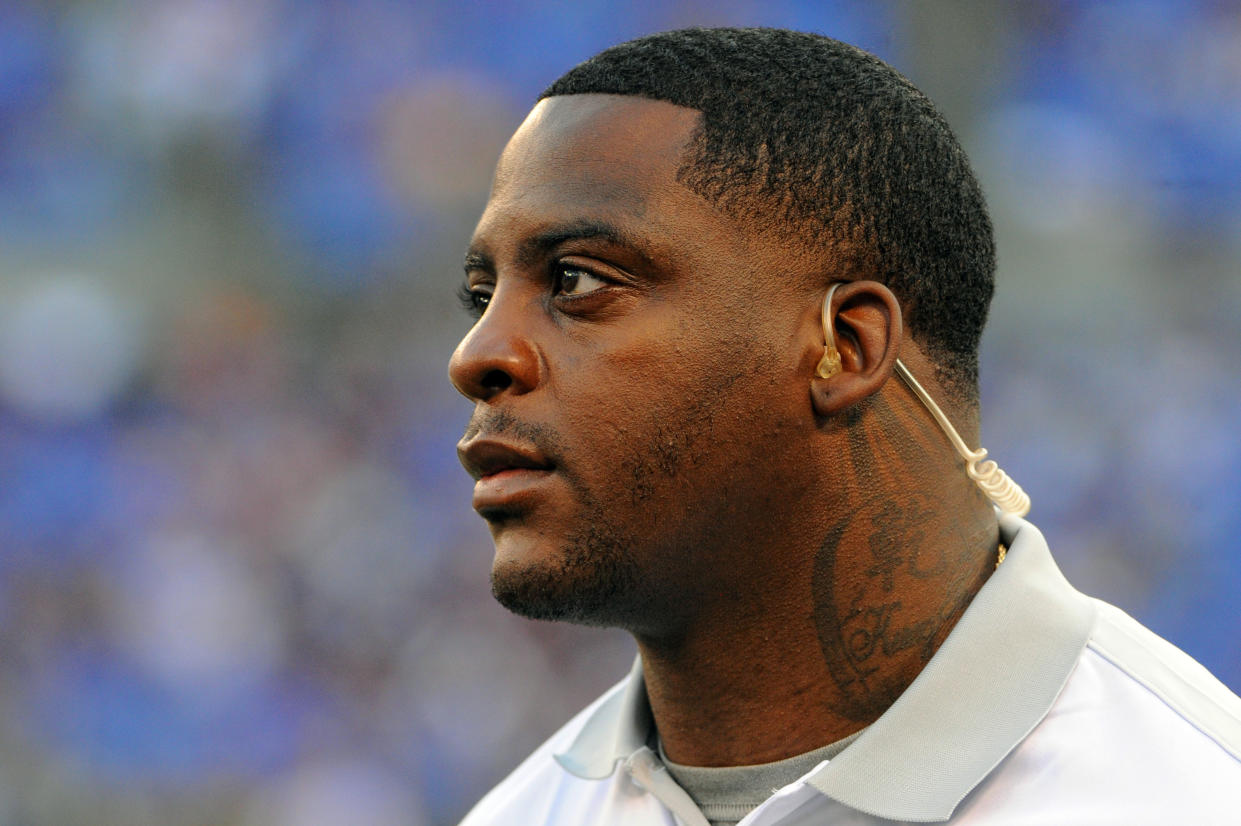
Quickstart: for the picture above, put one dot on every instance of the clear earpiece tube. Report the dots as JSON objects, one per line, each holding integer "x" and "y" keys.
{"x": 995, "y": 483}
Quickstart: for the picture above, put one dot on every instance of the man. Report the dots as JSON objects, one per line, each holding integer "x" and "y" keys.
{"x": 704, "y": 256}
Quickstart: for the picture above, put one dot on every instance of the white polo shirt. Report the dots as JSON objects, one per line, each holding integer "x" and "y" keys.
{"x": 1043, "y": 707}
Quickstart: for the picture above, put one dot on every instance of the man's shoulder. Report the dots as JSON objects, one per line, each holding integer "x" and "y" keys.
{"x": 1140, "y": 727}
{"x": 535, "y": 783}
{"x": 1190, "y": 696}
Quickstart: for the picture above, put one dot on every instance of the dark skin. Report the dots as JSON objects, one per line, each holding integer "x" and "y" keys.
{"x": 656, "y": 453}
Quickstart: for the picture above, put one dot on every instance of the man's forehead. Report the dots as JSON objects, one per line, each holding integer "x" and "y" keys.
{"x": 605, "y": 137}
{"x": 626, "y": 117}
{"x": 605, "y": 158}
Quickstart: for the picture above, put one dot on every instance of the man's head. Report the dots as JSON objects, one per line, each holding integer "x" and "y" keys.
{"x": 648, "y": 273}
{"x": 817, "y": 138}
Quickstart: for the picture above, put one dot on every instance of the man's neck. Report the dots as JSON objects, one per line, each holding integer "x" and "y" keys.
{"x": 825, "y": 644}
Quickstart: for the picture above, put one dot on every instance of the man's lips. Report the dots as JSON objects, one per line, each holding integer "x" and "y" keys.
{"x": 506, "y": 473}
{"x": 484, "y": 458}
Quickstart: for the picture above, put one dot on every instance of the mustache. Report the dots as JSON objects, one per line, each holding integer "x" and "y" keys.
{"x": 503, "y": 423}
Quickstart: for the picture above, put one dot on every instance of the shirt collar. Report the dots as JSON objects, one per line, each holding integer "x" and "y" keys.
{"x": 620, "y": 725}
{"x": 990, "y": 683}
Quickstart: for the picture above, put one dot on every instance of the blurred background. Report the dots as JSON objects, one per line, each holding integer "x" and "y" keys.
{"x": 240, "y": 582}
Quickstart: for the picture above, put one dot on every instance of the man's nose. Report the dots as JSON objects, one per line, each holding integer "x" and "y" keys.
{"x": 497, "y": 355}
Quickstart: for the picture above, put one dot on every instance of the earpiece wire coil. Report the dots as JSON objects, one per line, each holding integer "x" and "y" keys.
{"x": 994, "y": 482}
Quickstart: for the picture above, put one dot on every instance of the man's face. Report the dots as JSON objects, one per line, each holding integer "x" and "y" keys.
{"x": 636, "y": 372}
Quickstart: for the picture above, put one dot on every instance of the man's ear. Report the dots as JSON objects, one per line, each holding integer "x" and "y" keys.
{"x": 865, "y": 321}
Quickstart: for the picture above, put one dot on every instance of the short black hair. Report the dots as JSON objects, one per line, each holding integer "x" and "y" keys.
{"x": 806, "y": 133}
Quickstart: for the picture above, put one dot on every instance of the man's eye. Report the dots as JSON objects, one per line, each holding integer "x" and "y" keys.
{"x": 474, "y": 299}
{"x": 576, "y": 281}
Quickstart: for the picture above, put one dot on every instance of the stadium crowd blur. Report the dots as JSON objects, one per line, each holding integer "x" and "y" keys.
{"x": 240, "y": 582}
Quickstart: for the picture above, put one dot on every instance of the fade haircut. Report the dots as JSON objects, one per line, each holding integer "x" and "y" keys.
{"x": 804, "y": 134}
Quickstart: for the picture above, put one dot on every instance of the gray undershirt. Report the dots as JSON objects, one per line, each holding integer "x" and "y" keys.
{"x": 726, "y": 795}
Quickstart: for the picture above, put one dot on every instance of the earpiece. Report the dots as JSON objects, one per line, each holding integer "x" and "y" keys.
{"x": 829, "y": 365}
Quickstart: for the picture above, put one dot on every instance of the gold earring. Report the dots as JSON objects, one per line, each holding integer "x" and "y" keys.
{"x": 829, "y": 365}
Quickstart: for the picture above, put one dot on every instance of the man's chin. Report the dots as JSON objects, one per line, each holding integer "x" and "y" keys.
{"x": 589, "y": 581}
{"x": 554, "y": 593}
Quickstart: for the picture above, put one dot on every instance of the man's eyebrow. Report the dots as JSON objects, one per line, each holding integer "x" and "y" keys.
{"x": 475, "y": 260}
{"x": 535, "y": 248}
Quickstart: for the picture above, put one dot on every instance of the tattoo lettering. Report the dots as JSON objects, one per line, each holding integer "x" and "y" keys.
{"x": 907, "y": 520}
{"x": 892, "y": 576}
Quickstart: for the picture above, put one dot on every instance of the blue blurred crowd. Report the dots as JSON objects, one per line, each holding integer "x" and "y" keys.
{"x": 239, "y": 579}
